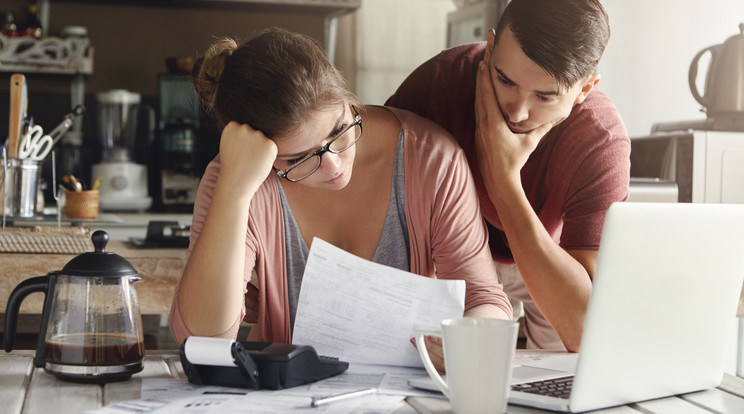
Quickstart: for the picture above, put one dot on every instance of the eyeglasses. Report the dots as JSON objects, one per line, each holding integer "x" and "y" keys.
{"x": 340, "y": 143}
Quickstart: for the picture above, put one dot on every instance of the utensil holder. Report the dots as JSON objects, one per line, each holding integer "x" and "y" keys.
{"x": 81, "y": 204}
{"x": 20, "y": 187}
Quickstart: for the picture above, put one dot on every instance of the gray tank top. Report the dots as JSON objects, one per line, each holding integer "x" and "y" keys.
{"x": 393, "y": 249}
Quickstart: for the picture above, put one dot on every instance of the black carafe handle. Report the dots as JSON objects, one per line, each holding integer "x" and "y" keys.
{"x": 35, "y": 284}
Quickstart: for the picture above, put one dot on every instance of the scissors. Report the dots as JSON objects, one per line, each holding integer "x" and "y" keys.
{"x": 35, "y": 145}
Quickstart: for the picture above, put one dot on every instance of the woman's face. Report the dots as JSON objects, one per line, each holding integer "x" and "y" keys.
{"x": 318, "y": 129}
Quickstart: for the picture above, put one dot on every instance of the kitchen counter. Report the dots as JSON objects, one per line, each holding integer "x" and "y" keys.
{"x": 160, "y": 270}
{"x": 119, "y": 226}
{"x": 135, "y": 224}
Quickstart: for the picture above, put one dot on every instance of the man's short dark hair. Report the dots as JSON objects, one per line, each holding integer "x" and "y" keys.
{"x": 564, "y": 37}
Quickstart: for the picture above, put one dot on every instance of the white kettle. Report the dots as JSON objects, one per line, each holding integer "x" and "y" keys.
{"x": 724, "y": 82}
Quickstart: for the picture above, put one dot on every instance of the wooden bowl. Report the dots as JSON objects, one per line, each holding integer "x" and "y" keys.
{"x": 180, "y": 65}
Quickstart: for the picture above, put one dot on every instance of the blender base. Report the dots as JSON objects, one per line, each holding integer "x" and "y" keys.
{"x": 123, "y": 186}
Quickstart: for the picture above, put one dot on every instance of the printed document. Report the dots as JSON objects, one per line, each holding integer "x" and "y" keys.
{"x": 364, "y": 312}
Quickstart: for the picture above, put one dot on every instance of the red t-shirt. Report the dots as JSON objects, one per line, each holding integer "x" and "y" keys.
{"x": 572, "y": 177}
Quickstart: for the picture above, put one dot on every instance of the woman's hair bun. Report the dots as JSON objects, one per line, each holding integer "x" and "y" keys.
{"x": 208, "y": 69}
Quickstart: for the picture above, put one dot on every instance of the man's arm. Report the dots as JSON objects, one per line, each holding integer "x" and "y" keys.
{"x": 558, "y": 281}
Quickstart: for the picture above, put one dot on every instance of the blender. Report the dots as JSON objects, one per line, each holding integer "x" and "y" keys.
{"x": 123, "y": 182}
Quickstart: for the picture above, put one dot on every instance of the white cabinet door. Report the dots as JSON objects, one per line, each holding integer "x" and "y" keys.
{"x": 724, "y": 167}
{"x": 732, "y": 176}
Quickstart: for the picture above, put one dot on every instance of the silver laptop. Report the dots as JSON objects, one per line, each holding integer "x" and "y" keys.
{"x": 662, "y": 308}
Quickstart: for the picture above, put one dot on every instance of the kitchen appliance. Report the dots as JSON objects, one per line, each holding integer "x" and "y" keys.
{"x": 91, "y": 326}
{"x": 163, "y": 234}
{"x": 472, "y": 20}
{"x": 724, "y": 81}
{"x": 123, "y": 182}
{"x": 176, "y": 165}
{"x": 706, "y": 165}
{"x": 257, "y": 365}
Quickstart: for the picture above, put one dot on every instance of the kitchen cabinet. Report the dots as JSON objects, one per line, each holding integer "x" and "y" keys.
{"x": 329, "y": 9}
{"x": 305, "y": 6}
{"x": 132, "y": 39}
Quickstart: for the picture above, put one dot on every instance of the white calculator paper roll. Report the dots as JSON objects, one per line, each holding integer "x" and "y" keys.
{"x": 209, "y": 351}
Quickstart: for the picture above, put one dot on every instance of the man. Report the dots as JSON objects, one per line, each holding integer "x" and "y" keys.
{"x": 548, "y": 150}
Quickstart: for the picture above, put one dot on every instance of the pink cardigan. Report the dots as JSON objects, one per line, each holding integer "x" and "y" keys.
{"x": 448, "y": 237}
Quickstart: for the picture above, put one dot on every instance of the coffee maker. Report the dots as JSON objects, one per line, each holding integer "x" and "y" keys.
{"x": 177, "y": 173}
{"x": 123, "y": 182}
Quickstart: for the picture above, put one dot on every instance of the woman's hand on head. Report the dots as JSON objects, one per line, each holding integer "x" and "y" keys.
{"x": 246, "y": 156}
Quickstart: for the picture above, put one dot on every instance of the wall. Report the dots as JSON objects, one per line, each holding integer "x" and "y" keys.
{"x": 645, "y": 66}
{"x": 393, "y": 38}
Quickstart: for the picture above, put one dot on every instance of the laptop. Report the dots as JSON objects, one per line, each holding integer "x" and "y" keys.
{"x": 662, "y": 309}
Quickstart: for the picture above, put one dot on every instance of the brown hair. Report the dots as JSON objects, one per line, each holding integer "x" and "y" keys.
{"x": 564, "y": 37}
{"x": 269, "y": 82}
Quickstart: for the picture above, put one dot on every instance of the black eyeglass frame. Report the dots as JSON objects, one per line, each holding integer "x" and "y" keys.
{"x": 326, "y": 148}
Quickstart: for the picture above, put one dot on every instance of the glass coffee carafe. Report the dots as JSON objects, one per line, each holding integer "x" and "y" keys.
{"x": 91, "y": 327}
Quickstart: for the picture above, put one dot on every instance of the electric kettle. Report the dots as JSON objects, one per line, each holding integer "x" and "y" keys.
{"x": 724, "y": 82}
{"x": 91, "y": 326}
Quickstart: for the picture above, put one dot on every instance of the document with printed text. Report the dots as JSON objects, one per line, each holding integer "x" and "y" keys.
{"x": 364, "y": 312}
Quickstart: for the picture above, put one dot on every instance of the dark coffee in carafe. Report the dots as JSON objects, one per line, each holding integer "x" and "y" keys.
{"x": 94, "y": 349}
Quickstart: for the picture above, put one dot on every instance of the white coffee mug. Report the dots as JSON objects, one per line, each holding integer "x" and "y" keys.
{"x": 478, "y": 355}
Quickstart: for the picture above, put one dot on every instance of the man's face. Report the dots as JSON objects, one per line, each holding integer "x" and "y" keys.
{"x": 527, "y": 95}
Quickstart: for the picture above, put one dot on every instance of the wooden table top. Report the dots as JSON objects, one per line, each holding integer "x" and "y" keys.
{"x": 25, "y": 389}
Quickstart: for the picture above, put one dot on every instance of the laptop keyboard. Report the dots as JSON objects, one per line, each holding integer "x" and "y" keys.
{"x": 555, "y": 387}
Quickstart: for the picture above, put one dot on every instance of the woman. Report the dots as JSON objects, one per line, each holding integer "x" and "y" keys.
{"x": 301, "y": 158}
